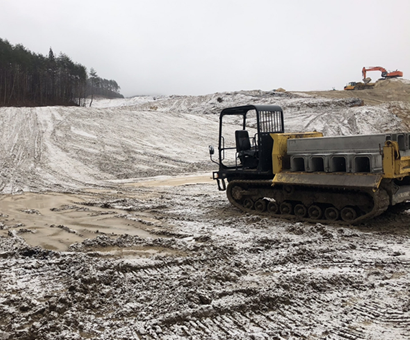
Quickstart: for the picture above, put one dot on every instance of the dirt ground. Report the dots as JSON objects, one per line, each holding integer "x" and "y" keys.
{"x": 87, "y": 252}
{"x": 387, "y": 90}
{"x": 393, "y": 93}
{"x": 173, "y": 260}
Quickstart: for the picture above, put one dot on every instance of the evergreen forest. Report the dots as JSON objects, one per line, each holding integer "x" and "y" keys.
{"x": 30, "y": 79}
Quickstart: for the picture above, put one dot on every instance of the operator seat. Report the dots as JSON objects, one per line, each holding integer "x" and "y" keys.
{"x": 246, "y": 154}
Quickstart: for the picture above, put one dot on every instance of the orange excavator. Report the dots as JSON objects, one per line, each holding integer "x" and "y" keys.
{"x": 366, "y": 81}
{"x": 384, "y": 72}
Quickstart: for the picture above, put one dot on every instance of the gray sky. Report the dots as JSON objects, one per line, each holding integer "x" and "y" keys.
{"x": 200, "y": 47}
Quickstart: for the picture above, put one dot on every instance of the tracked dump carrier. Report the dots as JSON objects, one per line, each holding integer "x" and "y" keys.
{"x": 306, "y": 176}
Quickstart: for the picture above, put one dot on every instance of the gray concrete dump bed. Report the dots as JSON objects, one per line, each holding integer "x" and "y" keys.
{"x": 343, "y": 153}
{"x": 353, "y": 144}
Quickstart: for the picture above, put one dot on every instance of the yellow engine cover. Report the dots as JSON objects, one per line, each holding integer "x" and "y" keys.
{"x": 280, "y": 159}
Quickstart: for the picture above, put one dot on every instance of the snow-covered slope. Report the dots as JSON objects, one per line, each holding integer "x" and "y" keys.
{"x": 61, "y": 148}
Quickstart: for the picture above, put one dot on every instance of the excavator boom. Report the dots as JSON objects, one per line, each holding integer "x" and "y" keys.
{"x": 384, "y": 72}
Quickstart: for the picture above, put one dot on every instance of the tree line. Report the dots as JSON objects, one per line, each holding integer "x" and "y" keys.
{"x": 31, "y": 79}
{"x": 97, "y": 86}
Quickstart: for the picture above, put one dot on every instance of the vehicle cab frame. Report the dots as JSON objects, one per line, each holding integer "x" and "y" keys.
{"x": 245, "y": 142}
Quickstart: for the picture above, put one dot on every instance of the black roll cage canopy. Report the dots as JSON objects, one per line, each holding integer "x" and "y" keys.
{"x": 257, "y": 160}
{"x": 264, "y": 123}
{"x": 244, "y": 109}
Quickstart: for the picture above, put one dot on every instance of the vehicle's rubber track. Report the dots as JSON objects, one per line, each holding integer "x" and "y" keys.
{"x": 380, "y": 201}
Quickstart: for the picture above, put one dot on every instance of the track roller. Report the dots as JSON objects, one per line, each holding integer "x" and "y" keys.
{"x": 260, "y": 205}
{"x": 273, "y": 207}
{"x": 331, "y": 214}
{"x": 348, "y": 214}
{"x": 315, "y": 212}
{"x": 300, "y": 210}
{"x": 286, "y": 208}
{"x": 248, "y": 203}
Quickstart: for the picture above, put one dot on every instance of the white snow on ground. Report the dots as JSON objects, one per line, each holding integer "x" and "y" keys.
{"x": 53, "y": 148}
{"x": 100, "y": 102}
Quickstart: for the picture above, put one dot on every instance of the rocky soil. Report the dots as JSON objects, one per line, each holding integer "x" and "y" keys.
{"x": 110, "y": 228}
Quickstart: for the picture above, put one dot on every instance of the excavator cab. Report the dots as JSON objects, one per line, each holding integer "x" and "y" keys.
{"x": 245, "y": 142}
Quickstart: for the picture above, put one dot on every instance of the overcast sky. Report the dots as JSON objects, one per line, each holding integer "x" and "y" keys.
{"x": 207, "y": 46}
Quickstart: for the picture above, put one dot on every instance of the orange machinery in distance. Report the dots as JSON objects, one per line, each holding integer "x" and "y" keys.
{"x": 366, "y": 84}
{"x": 384, "y": 72}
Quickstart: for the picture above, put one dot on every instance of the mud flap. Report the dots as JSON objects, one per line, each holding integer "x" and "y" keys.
{"x": 220, "y": 181}
{"x": 342, "y": 180}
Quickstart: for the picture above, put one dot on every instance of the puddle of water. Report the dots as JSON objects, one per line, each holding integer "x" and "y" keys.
{"x": 53, "y": 238}
{"x": 172, "y": 181}
{"x": 85, "y": 224}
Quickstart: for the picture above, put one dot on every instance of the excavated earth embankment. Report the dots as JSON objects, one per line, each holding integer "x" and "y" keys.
{"x": 111, "y": 228}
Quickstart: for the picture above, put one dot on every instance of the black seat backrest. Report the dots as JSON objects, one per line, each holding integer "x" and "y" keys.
{"x": 242, "y": 140}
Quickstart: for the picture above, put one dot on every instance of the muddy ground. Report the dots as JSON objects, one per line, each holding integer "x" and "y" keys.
{"x": 168, "y": 260}
{"x": 111, "y": 228}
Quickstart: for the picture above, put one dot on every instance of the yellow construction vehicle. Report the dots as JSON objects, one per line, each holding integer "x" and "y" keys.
{"x": 359, "y": 86}
{"x": 306, "y": 176}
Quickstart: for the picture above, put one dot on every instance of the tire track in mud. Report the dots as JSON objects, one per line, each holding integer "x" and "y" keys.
{"x": 302, "y": 318}
{"x": 379, "y": 312}
{"x": 228, "y": 322}
{"x": 17, "y": 131}
{"x": 266, "y": 312}
{"x": 229, "y": 276}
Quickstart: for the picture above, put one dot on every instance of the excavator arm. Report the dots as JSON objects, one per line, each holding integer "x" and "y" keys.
{"x": 384, "y": 72}
{"x": 376, "y": 68}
